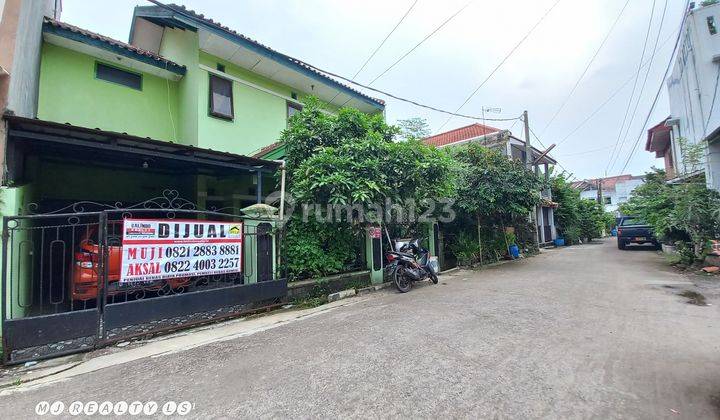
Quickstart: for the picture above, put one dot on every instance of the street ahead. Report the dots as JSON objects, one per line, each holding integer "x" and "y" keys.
{"x": 587, "y": 331}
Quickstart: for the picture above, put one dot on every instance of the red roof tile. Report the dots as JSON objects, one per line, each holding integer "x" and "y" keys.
{"x": 459, "y": 134}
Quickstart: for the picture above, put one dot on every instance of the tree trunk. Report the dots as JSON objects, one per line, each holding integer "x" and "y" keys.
{"x": 479, "y": 232}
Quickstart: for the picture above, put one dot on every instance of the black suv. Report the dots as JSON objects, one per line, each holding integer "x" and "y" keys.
{"x": 633, "y": 230}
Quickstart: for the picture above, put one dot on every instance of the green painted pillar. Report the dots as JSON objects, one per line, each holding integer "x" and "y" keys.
{"x": 374, "y": 254}
{"x": 260, "y": 251}
{"x": 433, "y": 240}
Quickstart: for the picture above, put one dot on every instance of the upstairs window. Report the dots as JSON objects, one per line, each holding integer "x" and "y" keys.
{"x": 292, "y": 109}
{"x": 711, "y": 25}
{"x": 116, "y": 75}
{"x": 221, "y": 100}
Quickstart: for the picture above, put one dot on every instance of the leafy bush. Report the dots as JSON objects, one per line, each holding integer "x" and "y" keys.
{"x": 687, "y": 213}
{"x": 577, "y": 218}
{"x": 349, "y": 159}
{"x": 313, "y": 249}
{"x": 572, "y": 235}
{"x": 466, "y": 249}
{"x": 590, "y": 219}
{"x": 493, "y": 192}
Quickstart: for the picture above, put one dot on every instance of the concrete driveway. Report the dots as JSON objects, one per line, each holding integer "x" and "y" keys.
{"x": 581, "y": 332}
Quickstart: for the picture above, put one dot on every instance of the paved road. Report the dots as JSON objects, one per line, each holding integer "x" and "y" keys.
{"x": 583, "y": 332}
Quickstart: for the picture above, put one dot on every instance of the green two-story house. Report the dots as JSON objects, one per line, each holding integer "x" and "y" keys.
{"x": 95, "y": 131}
{"x": 178, "y": 107}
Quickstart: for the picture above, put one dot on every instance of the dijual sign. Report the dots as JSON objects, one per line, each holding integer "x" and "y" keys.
{"x": 164, "y": 249}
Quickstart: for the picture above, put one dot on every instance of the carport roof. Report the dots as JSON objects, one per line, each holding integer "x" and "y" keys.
{"x": 28, "y": 133}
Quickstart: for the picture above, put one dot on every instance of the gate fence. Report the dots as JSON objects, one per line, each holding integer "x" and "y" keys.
{"x": 61, "y": 292}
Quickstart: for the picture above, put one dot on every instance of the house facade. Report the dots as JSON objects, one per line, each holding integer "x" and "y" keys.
{"x": 513, "y": 148}
{"x": 616, "y": 190}
{"x": 182, "y": 79}
{"x": 96, "y": 131}
{"x": 692, "y": 90}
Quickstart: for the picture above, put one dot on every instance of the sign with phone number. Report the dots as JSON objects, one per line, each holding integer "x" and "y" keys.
{"x": 166, "y": 249}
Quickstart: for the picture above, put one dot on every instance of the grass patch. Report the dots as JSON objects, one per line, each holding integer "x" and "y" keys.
{"x": 694, "y": 298}
{"x": 310, "y": 302}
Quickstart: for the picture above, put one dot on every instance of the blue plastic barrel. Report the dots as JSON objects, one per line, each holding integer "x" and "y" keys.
{"x": 514, "y": 251}
{"x": 560, "y": 242}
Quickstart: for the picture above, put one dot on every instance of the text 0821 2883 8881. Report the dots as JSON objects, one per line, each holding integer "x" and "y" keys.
{"x": 160, "y": 249}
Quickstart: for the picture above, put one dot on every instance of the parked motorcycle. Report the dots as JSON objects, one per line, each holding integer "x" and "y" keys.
{"x": 411, "y": 263}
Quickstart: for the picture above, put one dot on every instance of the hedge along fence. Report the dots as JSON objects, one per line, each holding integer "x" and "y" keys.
{"x": 461, "y": 245}
{"x": 352, "y": 159}
{"x": 349, "y": 159}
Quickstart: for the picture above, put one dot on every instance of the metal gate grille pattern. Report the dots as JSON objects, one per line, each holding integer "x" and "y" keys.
{"x": 60, "y": 285}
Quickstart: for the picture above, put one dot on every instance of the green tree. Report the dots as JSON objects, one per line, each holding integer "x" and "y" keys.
{"x": 591, "y": 219}
{"x": 568, "y": 199}
{"x": 350, "y": 159}
{"x": 685, "y": 213}
{"x": 370, "y": 169}
{"x": 414, "y": 128}
{"x": 577, "y": 218}
{"x": 492, "y": 187}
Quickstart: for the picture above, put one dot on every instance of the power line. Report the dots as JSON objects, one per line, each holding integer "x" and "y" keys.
{"x": 380, "y": 46}
{"x": 712, "y": 104}
{"x": 587, "y": 67}
{"x": 507, "y": 56}
{"x": 428, "y": 36}
{"x": 632, "y": 94}
{"x": 545, "y": 147}
{"x": 353, "y": 82}
{"x": 410, "y": 101}
{"x": 386, "y": 38}
{"x": 642, "y": 88}
{"x": 586, "y": 152}
{"x": 662, "y": 83}
{"x": 614, "y": 94}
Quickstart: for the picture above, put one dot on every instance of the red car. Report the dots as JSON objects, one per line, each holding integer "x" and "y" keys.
{"x": 86, "y": 263}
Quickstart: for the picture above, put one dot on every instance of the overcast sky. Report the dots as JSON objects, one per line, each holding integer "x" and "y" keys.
{"x": 340, "y": 35}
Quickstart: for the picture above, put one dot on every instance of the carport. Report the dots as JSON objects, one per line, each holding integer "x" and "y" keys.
{"x": 72, "y": 188}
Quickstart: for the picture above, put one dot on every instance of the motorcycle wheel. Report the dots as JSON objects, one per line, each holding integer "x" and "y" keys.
{"x": 434, "y": 277}
{"x": 401, "y": 280}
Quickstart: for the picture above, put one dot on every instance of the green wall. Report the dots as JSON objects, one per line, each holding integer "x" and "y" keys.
{"x": 182, "y": 47}
{"x": 69, "y": 92}
{"x": 165, "y": 110}
{"x": 259, "y": 119}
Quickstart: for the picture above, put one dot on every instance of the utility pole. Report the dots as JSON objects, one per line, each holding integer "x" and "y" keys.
{"x": 528, "y": 164}
{"x": 528, "y": 149}
{"x": 600, "y": 193}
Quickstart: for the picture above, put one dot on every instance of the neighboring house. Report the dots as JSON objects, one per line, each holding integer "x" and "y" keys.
{"x": 616, "y": 190}
{"x": 513, "y": 147}
{"x": 184, "y": 86}
{"x": 659, "y": 140}
{"x": 20, "y": 43}
{"x": 692, "y": 91}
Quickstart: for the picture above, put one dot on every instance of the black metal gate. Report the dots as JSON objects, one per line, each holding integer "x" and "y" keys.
{"x": 61, "y": 292}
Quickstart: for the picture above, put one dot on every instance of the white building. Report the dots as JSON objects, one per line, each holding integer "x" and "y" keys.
{"x": 615, "y": 190}
{"x": 694, "y": 98}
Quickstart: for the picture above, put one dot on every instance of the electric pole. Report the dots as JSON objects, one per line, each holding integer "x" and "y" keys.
{"x": 528, "y": 164}
{"x": 528, "y": 149}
